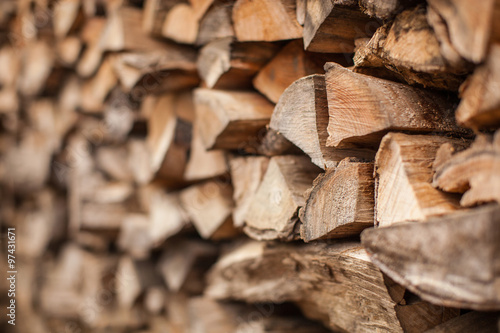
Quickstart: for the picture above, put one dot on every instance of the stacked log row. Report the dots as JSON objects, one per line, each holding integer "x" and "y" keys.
{"x": 250, "y": 165}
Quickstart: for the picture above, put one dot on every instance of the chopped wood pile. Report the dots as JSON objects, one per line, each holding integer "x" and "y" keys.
{"x": 250, "y": 166}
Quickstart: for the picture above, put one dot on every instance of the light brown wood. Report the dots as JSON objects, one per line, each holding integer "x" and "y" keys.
{"x": 410, "y": 48}
{"x": 66, "y": 16}
{"x": 385, "y": 9}
{"x": 37, "y": 62}
{"x": 95, "y": 90}
{"x": 181, "y": 24}
{"x": 265, "y": 20}
{"x": 134, "y": 238}
{"x": 440, "y": 268}
{"x": 209, "y": 206}
{"x": 468, "y": 24}
{"x": 301, "y": 116}
{"x": 290, "y": 64}
{"x": 327, "y": 282}
{"x": 340, "y": 203}
{"x": 246, "y": 176}
{"x": 154, "y": 14}
{"x": 362, "y": 108}
{"x": 480, "y": 105}
{"x": 226, "y": 64}
{"x": 332, "y": 26}
{"x": 273, "y": 211}
{"x": 474, "y": 171}
{"x": 230, "y": 120}
{"x": 216, "y": 23}
{"x": 403, "y": 174}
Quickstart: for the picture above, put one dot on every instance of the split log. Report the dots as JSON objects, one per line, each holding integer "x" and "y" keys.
{"x": 468, "y": 25}
{"x": 154, "y": 14}
{"x": 340, "y": 203}
{"x": 202, "y": 163}
{"x": 169, "y": 137}
{"x": 112, "y": 160}
{"x": 289, "y": 64}
{"x": 480, "y": 105}
{"x": 362, "y": 108}
{"x": 230, "y": 120}
{"x": 216, "y": 23}
{"x": 181, "y": 257}
{"x": 155, "y": 71}
{"x": 409, "y": 47}
{"x": 440, "y": 269}
{"x": 68, "y": 50}
{"x": 138, "y": 161}
{"x": 134, "y": 237}
{"x": 209, "y": 206}
{"x": 181, "y": 24}
{"x": 226, "y": 64}
{"x": 481, "y": 322}
{"x": 273, "y": 211}
{"x": 95, "y": 90}
{"x": 134, "y": 277}
{"x": 332, "y": 26}
{"x": 474, "y": 171}
{"x": 265, "y": 20}
{"x": 67, "y": 15}
{"x": 246, "y": 176}
{"x": 274, "y": 143}
{"x": 403, "y": 175}
{"x": 328, "y": 283}
{"x": 301, "y": 116}
{"x": 167, "y": 217}
{"x": 387, "y": 9}
{"x": 37, "y": 62}
{"x": 93, "y": 54}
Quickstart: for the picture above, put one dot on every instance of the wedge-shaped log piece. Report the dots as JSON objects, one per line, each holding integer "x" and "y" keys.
{"x": 273, "y": 211}
{"x": 95, "y": 90}
{"x": 474, "y": 321}
{"x": 169, "y": 136}
{"x": 468, "y": 25}
{"x": 265, "y": 20}
{"x": 290, "y": 64}
{"x": 409, "y": 47}
{"x": 363, "y": 108}
{"x": 209, "y": 206}
{"x": 182, "y": 257}
{"x": 450, "y": 261}
{"x": 181, "y": 24}
{"x": 403, "y": 175}
{"x": 301, "y": 116}
{"x": 154, "y": 14}
{"x": 332, "y": 26}
{"x": 385, "y": 9}
{"x": 246, "y": 176}
{"x": 226, "y": 64}
{"x": 474, "y": 171}
{"x": 340, "y": 203}
{"x": 216, "y": 23}
{"x": 328, "y": 282}
{"x": 480, "y": 105}
{"x": 230, "y": 120}
{"x": 156, "y": 70}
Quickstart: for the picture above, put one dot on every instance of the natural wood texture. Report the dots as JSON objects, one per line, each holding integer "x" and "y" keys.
{"x": 474, "y": 171}
{"x": 340, "y": 203}
{"x": 441, "y": 269}
{"x": 403, "y": 175}
{"x": 154, "y": 14}
{"x": 181, "y": 24}
{"x": 468, "y": 25}
{"x": 362, "y": 108}
{"x": 480, "y": 105}
{"x": 332, "y": 26}
{"x": 274, "y": 143}
{"x": 68, "y": 50}
{"x": 273, "y": 211}
{"x": 481, "y": 322}
{"x": 209, "y": 206}
{"x": 134, "y": 238}
{"x": 216, "y": 23}
{"x": 328, "y": 282}
{"x": 37, "y": 61}
{"x": 169, "y": 136}
{"x": 226, "y": 64}
{"x": 230, "y": 120}
{"x": 203, "y": 163}
{"x": 301, "y": 116}
{"x": 265, "y": 20}
{"x": 173, "y": 67}
{"x": 246, "y": 176}
{"x": 409, "y": 47}
{"x": 290, "y": 64}
{"x": 66, "y": 16}
{"x": 95, "y": 90}
{"x": 385, "y": 10}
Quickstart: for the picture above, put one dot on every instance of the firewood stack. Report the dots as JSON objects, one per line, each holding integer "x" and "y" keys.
{"x": 251, "y": 165}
